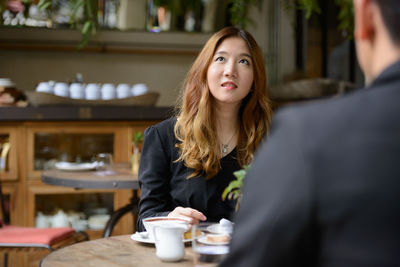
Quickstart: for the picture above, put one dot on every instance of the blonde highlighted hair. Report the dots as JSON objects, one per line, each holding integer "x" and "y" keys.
{"x": 196, "y": 126}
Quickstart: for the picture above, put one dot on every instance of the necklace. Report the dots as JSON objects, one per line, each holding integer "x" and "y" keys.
{"x": 225, "y": 147}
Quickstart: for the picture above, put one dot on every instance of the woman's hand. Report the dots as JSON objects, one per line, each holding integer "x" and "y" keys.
{"x": 194, "y": 216}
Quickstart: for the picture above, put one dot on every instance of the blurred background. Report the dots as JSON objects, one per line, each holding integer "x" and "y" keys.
{"x": 155, "y": 42}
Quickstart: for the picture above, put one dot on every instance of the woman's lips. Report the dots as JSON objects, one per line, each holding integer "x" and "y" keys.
{"x": 229, "y": 85}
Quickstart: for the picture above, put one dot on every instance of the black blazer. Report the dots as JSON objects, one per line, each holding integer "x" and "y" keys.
{"x": 164, "y": 184}
{"x": 325, "y": 188}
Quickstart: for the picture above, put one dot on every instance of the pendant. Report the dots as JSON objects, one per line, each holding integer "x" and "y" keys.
{"x": 224, "y": 149}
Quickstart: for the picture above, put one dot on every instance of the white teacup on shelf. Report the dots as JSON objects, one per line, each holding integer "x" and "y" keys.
{"x": 123, "y": 90}
{"x": 139, "y": 89}
{"x": 92, "y": 91}
{"x": 107, "y": 91}
{"x": 61, "y": 89}
{"x": 76, "y": 91}
{"x": 44, "y": 87}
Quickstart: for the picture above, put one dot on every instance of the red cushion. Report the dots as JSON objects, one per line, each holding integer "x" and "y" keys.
{"x": 31, "y": 235}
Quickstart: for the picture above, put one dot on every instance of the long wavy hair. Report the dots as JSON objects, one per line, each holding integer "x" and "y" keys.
{"x": 195, "y": 128}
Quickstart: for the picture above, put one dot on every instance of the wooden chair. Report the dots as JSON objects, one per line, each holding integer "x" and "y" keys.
{"x": 17, "y": 238}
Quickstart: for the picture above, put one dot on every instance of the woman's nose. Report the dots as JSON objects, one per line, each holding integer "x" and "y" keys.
{"x": 230, "y": 69}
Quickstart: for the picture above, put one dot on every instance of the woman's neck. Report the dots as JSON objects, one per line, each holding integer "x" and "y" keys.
{"x": 227, "y": 118}
{"x": 227, "y": 128}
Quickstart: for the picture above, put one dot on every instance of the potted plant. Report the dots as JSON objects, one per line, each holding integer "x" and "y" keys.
{"x": 137, "y": 139}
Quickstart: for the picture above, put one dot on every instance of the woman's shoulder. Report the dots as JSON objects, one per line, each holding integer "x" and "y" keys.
{"x": 164, "y": 129}
{"x": 166, "y": 125}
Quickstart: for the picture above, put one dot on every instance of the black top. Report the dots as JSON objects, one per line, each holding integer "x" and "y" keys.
{"x": 164, "y": 184}
{"x": 324, "y": 190}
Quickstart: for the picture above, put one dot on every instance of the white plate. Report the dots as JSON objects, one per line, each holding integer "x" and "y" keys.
{"x": 203, "y": 240}
{"x": 218, "y": 229}
{"x": 73, "y": 166}
{"x": 139, "y": 238}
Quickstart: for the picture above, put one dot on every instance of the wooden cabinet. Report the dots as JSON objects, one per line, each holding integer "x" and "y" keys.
{"x": 36, "y": 146}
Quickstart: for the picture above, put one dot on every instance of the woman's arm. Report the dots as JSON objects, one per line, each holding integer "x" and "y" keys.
{"x": 154, "y": 177}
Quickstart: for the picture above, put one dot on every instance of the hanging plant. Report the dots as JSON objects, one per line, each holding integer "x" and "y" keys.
{"x": 87, "y": 22}
{"x": 238, "y": 12}
{"x": 345, "y": 17}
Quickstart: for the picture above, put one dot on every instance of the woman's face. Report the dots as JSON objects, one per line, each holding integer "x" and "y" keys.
{"x": 230, "y": 74}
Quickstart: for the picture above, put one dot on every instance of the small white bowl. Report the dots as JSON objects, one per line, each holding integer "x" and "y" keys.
{"x": 76, "y": 91}
{"x": 92, "y": 91}
{"x": 123, "y": 90}
{"x": 98, "y": 221}
{"x": 139, "y": 89}
{"x": 107, "y": 91}
{"x": 61, "y": 89}
{"x": 44, "y": 87}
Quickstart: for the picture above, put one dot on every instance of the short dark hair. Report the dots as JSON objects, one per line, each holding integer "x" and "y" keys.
{"x": 390, "y": 10}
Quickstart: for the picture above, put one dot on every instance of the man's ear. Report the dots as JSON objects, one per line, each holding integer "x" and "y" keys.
{"x": 364, "y": 19}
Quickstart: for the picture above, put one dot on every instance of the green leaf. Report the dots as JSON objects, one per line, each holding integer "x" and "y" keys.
{"x": 234, "y": 188}
{"x": 137, "y": 138}
{"x": 44, "y": 4}
{"x": 86, "y": 27}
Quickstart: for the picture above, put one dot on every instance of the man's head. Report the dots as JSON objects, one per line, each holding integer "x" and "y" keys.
{"x": 390, "y": 10}
{"x": 377, "y": 33}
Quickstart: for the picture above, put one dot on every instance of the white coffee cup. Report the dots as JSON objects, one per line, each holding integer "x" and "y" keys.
{"x": 61, "y": 89}
{"x": 44, "y": 87}
{"x": 151, "y": 222}
{"x": 92, "y": 91}
{"x": 107, "y": 91}
{"x": 76, "y": 91}
{"x": 169, "y": 241}
{"x": 123, "y": 90}
{"x": 139, "y": 89}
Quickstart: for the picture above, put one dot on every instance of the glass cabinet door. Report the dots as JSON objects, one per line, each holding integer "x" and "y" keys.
{"x": 8, "y": 153}
{"x": 48, "y": 145}
{"x": 50, "y": 148}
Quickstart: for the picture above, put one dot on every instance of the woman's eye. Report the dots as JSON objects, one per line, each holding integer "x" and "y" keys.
{"x": 220, "y": 59}
{"x": 245, "y": 61}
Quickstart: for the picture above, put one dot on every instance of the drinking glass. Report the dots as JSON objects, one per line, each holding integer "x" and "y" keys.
{"x": 104, "y": 162}
{"x": 204, "y": 252}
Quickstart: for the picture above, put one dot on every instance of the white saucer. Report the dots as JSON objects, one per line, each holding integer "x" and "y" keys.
{"x": 148, "y": 240}
{"x": 73, "y": 166}
{"x": 139, "y": 238}
{"x": 203, "y": 240}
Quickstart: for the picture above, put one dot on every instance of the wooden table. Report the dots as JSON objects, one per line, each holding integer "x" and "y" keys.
{"x": 113, "y": 251}
{"x": 122, "y": 178}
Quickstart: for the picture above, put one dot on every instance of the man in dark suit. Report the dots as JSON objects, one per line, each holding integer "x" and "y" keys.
{"x": 324, "y": 190}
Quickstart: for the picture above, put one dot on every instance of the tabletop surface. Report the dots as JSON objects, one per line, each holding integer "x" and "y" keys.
{"x": 112, "y": 252}
{"x": 122, "y": 178}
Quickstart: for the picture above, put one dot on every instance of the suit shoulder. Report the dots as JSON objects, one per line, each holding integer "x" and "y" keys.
{"x": 331, "y": 108}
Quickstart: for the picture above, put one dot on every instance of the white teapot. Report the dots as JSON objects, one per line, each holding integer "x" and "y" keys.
{"x": 60, "y": 219}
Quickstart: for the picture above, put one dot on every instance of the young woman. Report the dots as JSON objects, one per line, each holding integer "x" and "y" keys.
{"x": 224, "y": 114}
